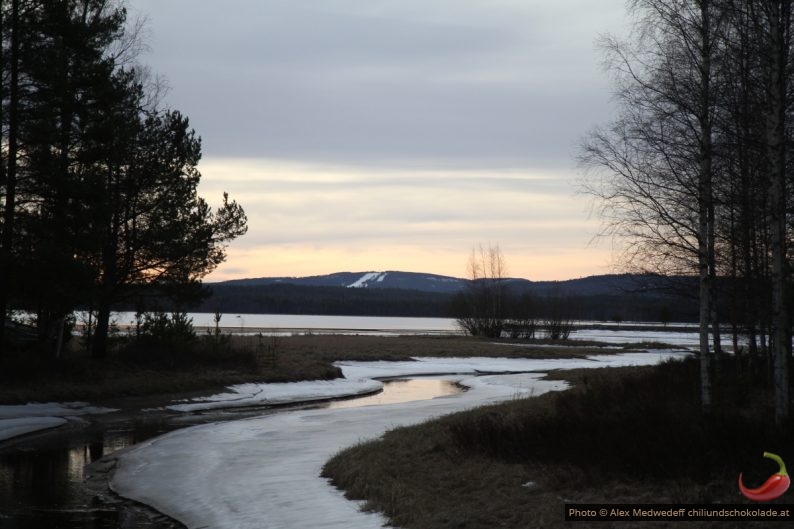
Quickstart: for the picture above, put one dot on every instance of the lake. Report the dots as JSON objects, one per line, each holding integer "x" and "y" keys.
{"x": 288, "y": 324}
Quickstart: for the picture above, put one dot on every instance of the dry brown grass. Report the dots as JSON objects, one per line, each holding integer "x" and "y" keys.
{"x": 627, "y": 435}
{"x": 367, "y": 347}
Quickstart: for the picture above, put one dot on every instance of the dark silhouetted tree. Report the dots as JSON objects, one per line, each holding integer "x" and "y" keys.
{"x": 482, "y": 309}
{"x": 99, "y": 185}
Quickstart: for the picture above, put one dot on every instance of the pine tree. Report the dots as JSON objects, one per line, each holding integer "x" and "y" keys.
{"x": 100, "y": 197}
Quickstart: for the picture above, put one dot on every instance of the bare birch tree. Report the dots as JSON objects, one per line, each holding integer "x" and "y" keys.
{"x": 774, "y": 30}
{"x": 693, "y": 174}
{"x": 652, "y": 170}
{"x": 481, "y": 310}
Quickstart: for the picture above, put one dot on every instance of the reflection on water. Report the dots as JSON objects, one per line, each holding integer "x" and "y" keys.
{"x": 41, "y": 482}
{"x": 396, "y": 391}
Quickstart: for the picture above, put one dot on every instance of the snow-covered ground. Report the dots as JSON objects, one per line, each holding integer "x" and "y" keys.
{"x": 27, "y": 418}
{"x": 263, "y": 472}
{"x": 627, "y": 335}
{"x": 242, "y": 395}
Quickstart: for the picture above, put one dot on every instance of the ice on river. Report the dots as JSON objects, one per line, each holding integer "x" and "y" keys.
{"x": 26, "y": 418}
{"x": 242, "y": 395}
{"x": 263, "y": 472}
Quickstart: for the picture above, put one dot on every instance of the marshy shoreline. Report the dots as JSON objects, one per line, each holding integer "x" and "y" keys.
{"x": 369, "y": 348}
{"x": 618, "y": 435}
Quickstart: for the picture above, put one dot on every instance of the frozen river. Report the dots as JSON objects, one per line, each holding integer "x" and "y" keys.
{"x": 263, "y": 472}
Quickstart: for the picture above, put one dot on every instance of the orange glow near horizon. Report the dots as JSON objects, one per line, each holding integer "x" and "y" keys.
{"x": 309, "y": 220}
{"x": 302, "y": 262}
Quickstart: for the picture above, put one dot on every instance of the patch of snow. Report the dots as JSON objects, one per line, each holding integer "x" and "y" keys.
{"x": 555, "y": 346}
{"x": 26, "y": 418}
{"x": 382, "y": 277}
{"x": 280, "y": 393}
{"x": 263, "y": 471}
{"x": 476, "y": 365}
{"x": 366, "y": 278}
{"x": 628, "y": 336}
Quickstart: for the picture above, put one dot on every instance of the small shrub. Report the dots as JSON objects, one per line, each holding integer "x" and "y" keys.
{"x": 218, "y": 343}
{"x": 177, "y": 327}
{"x": 161, "y": 336}
{"x": 267, "y": 349}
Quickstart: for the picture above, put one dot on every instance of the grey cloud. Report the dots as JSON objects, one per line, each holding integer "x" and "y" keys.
{"x": 487, "y": 125}
{"x": 445, "y": 84}
{"x": 423, "y": 182}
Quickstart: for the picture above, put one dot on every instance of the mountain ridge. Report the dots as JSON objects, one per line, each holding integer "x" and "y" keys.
{"x": 604, "y": 284}
{"x": 391, "y": 293}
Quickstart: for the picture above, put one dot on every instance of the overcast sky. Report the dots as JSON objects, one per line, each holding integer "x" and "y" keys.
{"x": 370, "y": 135}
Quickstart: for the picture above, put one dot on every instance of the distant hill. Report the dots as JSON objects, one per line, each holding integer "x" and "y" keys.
{"x": 291, "y": 298}
{"x": 615, "y": 297}
{"x": 611, "y": 284}
{"x": 604, "y": 297}
{"x": 607, "y": 285}
{"x": 374, "y": 280}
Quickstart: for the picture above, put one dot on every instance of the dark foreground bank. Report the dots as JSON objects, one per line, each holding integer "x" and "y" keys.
{"x": 627, "y": 435}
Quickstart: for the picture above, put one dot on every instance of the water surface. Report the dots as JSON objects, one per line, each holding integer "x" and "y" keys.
{"x": 403, "y": 390}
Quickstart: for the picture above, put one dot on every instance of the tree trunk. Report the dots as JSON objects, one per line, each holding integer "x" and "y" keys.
{"x": 776, "y": 135}
{"x": 99, "y": 349}
{"x": 106, "y": 289}
{"x": 705, "y": 211}
{"x": 3, "y": 266}
{"x": 11, "y": 175}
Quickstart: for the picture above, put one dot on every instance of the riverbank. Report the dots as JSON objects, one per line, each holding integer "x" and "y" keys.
{"x": 625, "y": 435}
{"x": 360, "y": 354}
{"x": 265, "y": 471}
{"x": 206, "y": 369}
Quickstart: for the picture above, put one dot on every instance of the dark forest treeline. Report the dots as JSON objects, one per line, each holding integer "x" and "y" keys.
{"x": 97, "y": 180}
{"x": 299, "y": 299}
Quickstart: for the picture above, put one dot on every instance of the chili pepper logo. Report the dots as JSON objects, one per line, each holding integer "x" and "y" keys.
{"x": 774, "y": 487}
